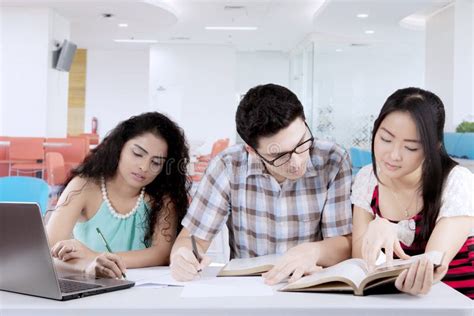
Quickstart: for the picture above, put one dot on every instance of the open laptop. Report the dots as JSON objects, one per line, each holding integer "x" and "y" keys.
{"x": 26, "y": 265}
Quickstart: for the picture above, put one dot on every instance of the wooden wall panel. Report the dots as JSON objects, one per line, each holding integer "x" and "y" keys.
{"x": 77, "y": 93}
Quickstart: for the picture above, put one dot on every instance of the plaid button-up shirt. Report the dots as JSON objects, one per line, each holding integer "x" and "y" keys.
{"x": 265, "y": 217}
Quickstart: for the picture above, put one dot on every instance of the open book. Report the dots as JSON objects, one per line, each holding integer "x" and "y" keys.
{"x": 249, "y": 266}
{"x": 352, "y": 275}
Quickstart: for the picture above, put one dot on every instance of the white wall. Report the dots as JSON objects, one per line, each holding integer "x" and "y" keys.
{"x": 256, "y": 68}
{"x": 463, "y": 89}
{"x": 1, "y": 70}
{"x": 116, "y": 86}
{"x": 24, "y": 71}
{"x": 31, "y": 89}
{"x": 449, "y": 60}
{"x": 357, "y": 81}
{"x": 198, "y": 81}
{"x": 197, "y": 89}
{"x": 58, "y": 81}
{"x": 440, "y": 60}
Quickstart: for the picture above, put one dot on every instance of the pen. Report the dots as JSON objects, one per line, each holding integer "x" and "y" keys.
{"x": 195, "y": 250}
{"x": 107, "y": 246}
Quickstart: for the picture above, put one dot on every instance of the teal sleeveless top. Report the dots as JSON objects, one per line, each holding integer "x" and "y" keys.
{"x": 121, "y": 234}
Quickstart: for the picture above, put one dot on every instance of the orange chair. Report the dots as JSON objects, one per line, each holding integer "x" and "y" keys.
{"x": 200, "y": 166}
{"x": 93, "y": 138}
{"x": 73, "y": 153}
{"x": 196, "y": 177}
{"x": 217, "y": 147}
{"x": 55, "y": 168}
{"x": 55, "y": 175}
{"x": 4, "y": 157}
{"x": 26, "y": 154}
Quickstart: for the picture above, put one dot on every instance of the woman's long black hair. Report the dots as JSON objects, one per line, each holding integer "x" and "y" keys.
{"x": 171, "y": 184}
{"x": 427, "y": 111}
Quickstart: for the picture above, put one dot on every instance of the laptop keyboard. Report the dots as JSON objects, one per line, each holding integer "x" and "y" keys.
{"x": 67, "y": 286}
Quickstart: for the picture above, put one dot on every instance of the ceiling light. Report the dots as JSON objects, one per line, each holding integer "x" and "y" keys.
{"x": 369, "y": 32}
{"x": 359, "y": 44}
{"x": 362, "y": 15}
{"x": 231, "y": 28}
{"x": 180, "y": 38}
{"x": 132, "y": 40}
{"x": 234, "y": 7}
{"x": 123, "y": 25}
{"x": 338, "y": 50}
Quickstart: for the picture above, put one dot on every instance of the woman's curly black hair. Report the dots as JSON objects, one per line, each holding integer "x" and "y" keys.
{"x": 170, "y": 185}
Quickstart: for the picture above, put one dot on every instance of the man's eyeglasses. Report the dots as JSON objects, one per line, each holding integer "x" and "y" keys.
{"x": 284, "y": 158}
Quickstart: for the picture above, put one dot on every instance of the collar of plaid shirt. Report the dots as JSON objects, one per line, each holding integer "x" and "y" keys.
{"x": 255, "y": 166}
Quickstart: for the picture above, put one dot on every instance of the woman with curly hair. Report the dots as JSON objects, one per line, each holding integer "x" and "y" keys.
{"x": 134, "y": 190}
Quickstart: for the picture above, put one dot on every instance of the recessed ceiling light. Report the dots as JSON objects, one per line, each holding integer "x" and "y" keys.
{"x": 359, "y": 44}
{"x": 369, "y": 32}
{"x": 234, "y": 7}
{"x": 132, "y": 40}
{"x": 231, "y": 28}
{"x": 338, "y": 50}
{"x": 180, "y": 38}
{"x": 362, "y": 15}
{"x": 123, "y": 25}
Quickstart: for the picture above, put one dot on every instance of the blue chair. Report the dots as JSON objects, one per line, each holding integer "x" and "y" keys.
{"x": 25, "y": 189}
{"x": 459, "y": 145}
{"x": 451, "y": 141}
{"x": 465, "y": 146}
{"x": 360, "y": 158}
{"x": 365, "y": 157}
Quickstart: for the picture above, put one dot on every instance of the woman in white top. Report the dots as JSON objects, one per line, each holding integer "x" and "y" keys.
{"x": 414, "y": 198}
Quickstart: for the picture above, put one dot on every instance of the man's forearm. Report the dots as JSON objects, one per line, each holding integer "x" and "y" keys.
{"x": 334, "y": 250}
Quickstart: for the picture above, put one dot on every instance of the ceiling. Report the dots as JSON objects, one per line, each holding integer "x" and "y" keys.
{"x": 282, "y": 24}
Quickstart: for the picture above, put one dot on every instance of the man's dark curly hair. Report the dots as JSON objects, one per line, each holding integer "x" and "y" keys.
{"x": 264, "y": 111}
{"x": 171, "y": 184}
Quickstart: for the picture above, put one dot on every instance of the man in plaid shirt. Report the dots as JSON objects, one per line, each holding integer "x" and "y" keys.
{"x": 282, "y": 192}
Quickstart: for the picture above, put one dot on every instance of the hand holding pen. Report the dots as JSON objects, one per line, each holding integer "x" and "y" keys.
{"x": 187, "y": 261}
{"x": 110, "y": 262}
{"x": 195, "y": 251}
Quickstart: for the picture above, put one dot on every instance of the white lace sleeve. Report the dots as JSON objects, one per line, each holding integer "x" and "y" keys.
{"x": 458, "y": 198}
{"x": 363, "y": 188}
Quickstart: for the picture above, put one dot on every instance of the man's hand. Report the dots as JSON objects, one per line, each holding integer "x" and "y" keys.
{"x": 298, "y": 261}
{"x": 184, "y": 265}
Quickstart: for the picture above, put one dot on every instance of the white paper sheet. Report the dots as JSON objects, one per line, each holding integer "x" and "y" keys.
{"x": 154, "y": 277}
{"x": 227, "y": 286}
{"x": 207, "y": 285}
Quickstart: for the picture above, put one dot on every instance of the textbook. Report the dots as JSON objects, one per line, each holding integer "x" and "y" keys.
{"x": 353, "y": 276}
{"x": 249, "y": 266}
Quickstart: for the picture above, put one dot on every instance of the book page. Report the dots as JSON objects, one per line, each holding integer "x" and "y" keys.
{"x": 435, "y": 257}
{"x": 249, "y": 263}
{"x": 351, "y": 269}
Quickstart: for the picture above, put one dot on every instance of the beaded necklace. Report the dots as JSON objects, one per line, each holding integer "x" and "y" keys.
{"x": 111, "y": 208}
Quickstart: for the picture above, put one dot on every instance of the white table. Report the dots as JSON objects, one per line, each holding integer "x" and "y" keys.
{"x": 442, "y": 301}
